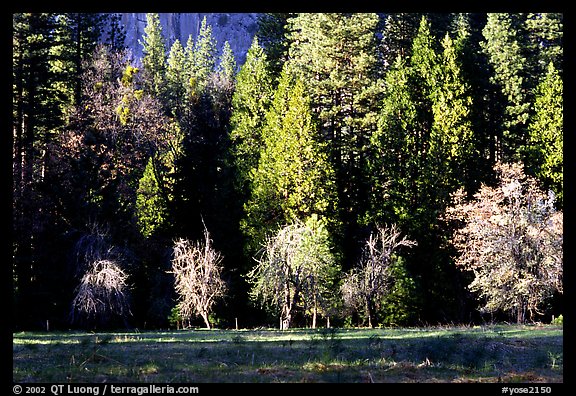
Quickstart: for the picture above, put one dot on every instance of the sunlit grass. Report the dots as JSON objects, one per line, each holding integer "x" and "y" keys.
{"x": 311, "y": 355}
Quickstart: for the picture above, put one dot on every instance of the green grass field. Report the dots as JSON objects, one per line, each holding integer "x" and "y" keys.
{"x": 507, "y": 353}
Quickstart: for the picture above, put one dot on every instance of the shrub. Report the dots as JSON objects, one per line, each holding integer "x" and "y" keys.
{"x": 558, "y": 321}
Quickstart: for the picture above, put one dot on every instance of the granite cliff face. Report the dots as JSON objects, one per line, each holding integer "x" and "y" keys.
{"x": 236, "y": 28}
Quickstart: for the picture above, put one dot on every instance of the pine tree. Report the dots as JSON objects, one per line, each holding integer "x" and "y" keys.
{"x": 272, "y": 29}
{"x": 424, "y": 78}
{"x": 451, "y": 133}
{"x": 505, "y": 46}
{"x": 201, "y": 187}
{"x": 154, "y": 56}
{"x": 391, "y": 159}
{"x": 36, "y": 114}
{"x": 336, "y": 56}
{"x": 398, "y": 34}
{"x": 176, "y": 80}
{"x": 422, "y": 152}
{"x": 221, "y": 87}
{"x": 486, "y": 109}
{"x": 545, "y": 37}
{"x": 401, "y": 158}
{"x": 401, "y": 28}
{"x": 115, "y": 32}
{"x": 151, "y": 206}
{"x": 77, "y": 34}
{"x": 250, "y": 102}
{"x": 227, "y": 64}
{"x": 293, "y": 179}
{"x": 546, "y": 138}
{"x": 202, "y": 58}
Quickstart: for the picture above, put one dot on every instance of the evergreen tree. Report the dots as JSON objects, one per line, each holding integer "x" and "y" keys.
{"x": 151, "y": 206}
{"x": 546, "y": 139}
{"x": 272, "y": 29}
{"x": 293, "y": 179}
{"x": 400, "y": 29}
{"x": 154, "y": 56}
{"x": 486, "y": 109}
{"x": 37, "y": 107}
{"x": 176, "y": 80}
{"x": 115, "y": 32}
{"x": 250, "y": 102}
{"x": 346, "y": 120}
{"x": 451, "y": 133}
{"x": 202, "y": 58}
{"x": 77, "y": 34}
{"x": 504, "y": 44}
{"x": 519, "y": 48}
{"x": 392, "y": 159}
{"x": 227, "y": 64}
{"x": 422, "y": 152}
{"x": 336, "y": 55}
{"x": 402, "y": 143}
{"x": 222, "y": 86}
{"x": 201, "y": 186}
{"x": 397, "y": 36}
{"x": 545, "y": 37}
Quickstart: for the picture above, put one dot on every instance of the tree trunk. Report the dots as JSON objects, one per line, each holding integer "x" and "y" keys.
{"x": 205, "y": 317}
{"x": 286, "y": 313}
{"x": 285, "y": 317}
{"x": 369, "y": 313}
{"x": 285, "y": 320}
{"x": 314, "y": 319}
{"x": 314, "y": 312}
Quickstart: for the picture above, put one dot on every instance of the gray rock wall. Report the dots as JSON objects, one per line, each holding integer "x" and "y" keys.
{"x": 236, "y": 28}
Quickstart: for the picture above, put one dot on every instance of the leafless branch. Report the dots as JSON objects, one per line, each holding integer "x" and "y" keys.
{"x": 197, "y": 269}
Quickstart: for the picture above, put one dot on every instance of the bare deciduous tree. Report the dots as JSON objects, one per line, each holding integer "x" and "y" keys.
{"x": 296, "y": 270}
{"x": 197, "y": 268}
{"x": 511, "y": 239}
{"x": 365, "y": 285}
{"x": 102, "y": 291}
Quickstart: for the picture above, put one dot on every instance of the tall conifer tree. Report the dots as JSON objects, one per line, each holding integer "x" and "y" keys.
{"x": 422, "y": 150}
{"x": 336, "y": 55}
{"x": 203, "y": 57}
{"x": 227, "y": 64}
{"x": 78, "y": 34}
{"x": 250, "y": 102}
{"x": 154, "y": 56}
{"x": 546, "y": 134}
{"x": 176, "y": 79}
{"x": 294, "y": 178}
{"x": 504, "y": 44}
{"x": 36, "y": 113}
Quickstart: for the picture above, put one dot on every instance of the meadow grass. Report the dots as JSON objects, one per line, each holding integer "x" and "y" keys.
{"x": 507, "y": 353}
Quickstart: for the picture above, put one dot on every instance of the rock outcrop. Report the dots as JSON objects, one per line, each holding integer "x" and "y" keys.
{"x": 236, "y": 28}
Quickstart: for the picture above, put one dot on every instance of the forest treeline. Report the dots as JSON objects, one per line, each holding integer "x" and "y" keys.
{"x": 357, "y": 168}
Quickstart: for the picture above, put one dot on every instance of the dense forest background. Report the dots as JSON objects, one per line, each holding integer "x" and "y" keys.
{"x": 353, "y": 120}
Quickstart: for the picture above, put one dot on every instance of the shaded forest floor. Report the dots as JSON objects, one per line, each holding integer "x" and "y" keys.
{"x": 506, "y": 353}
